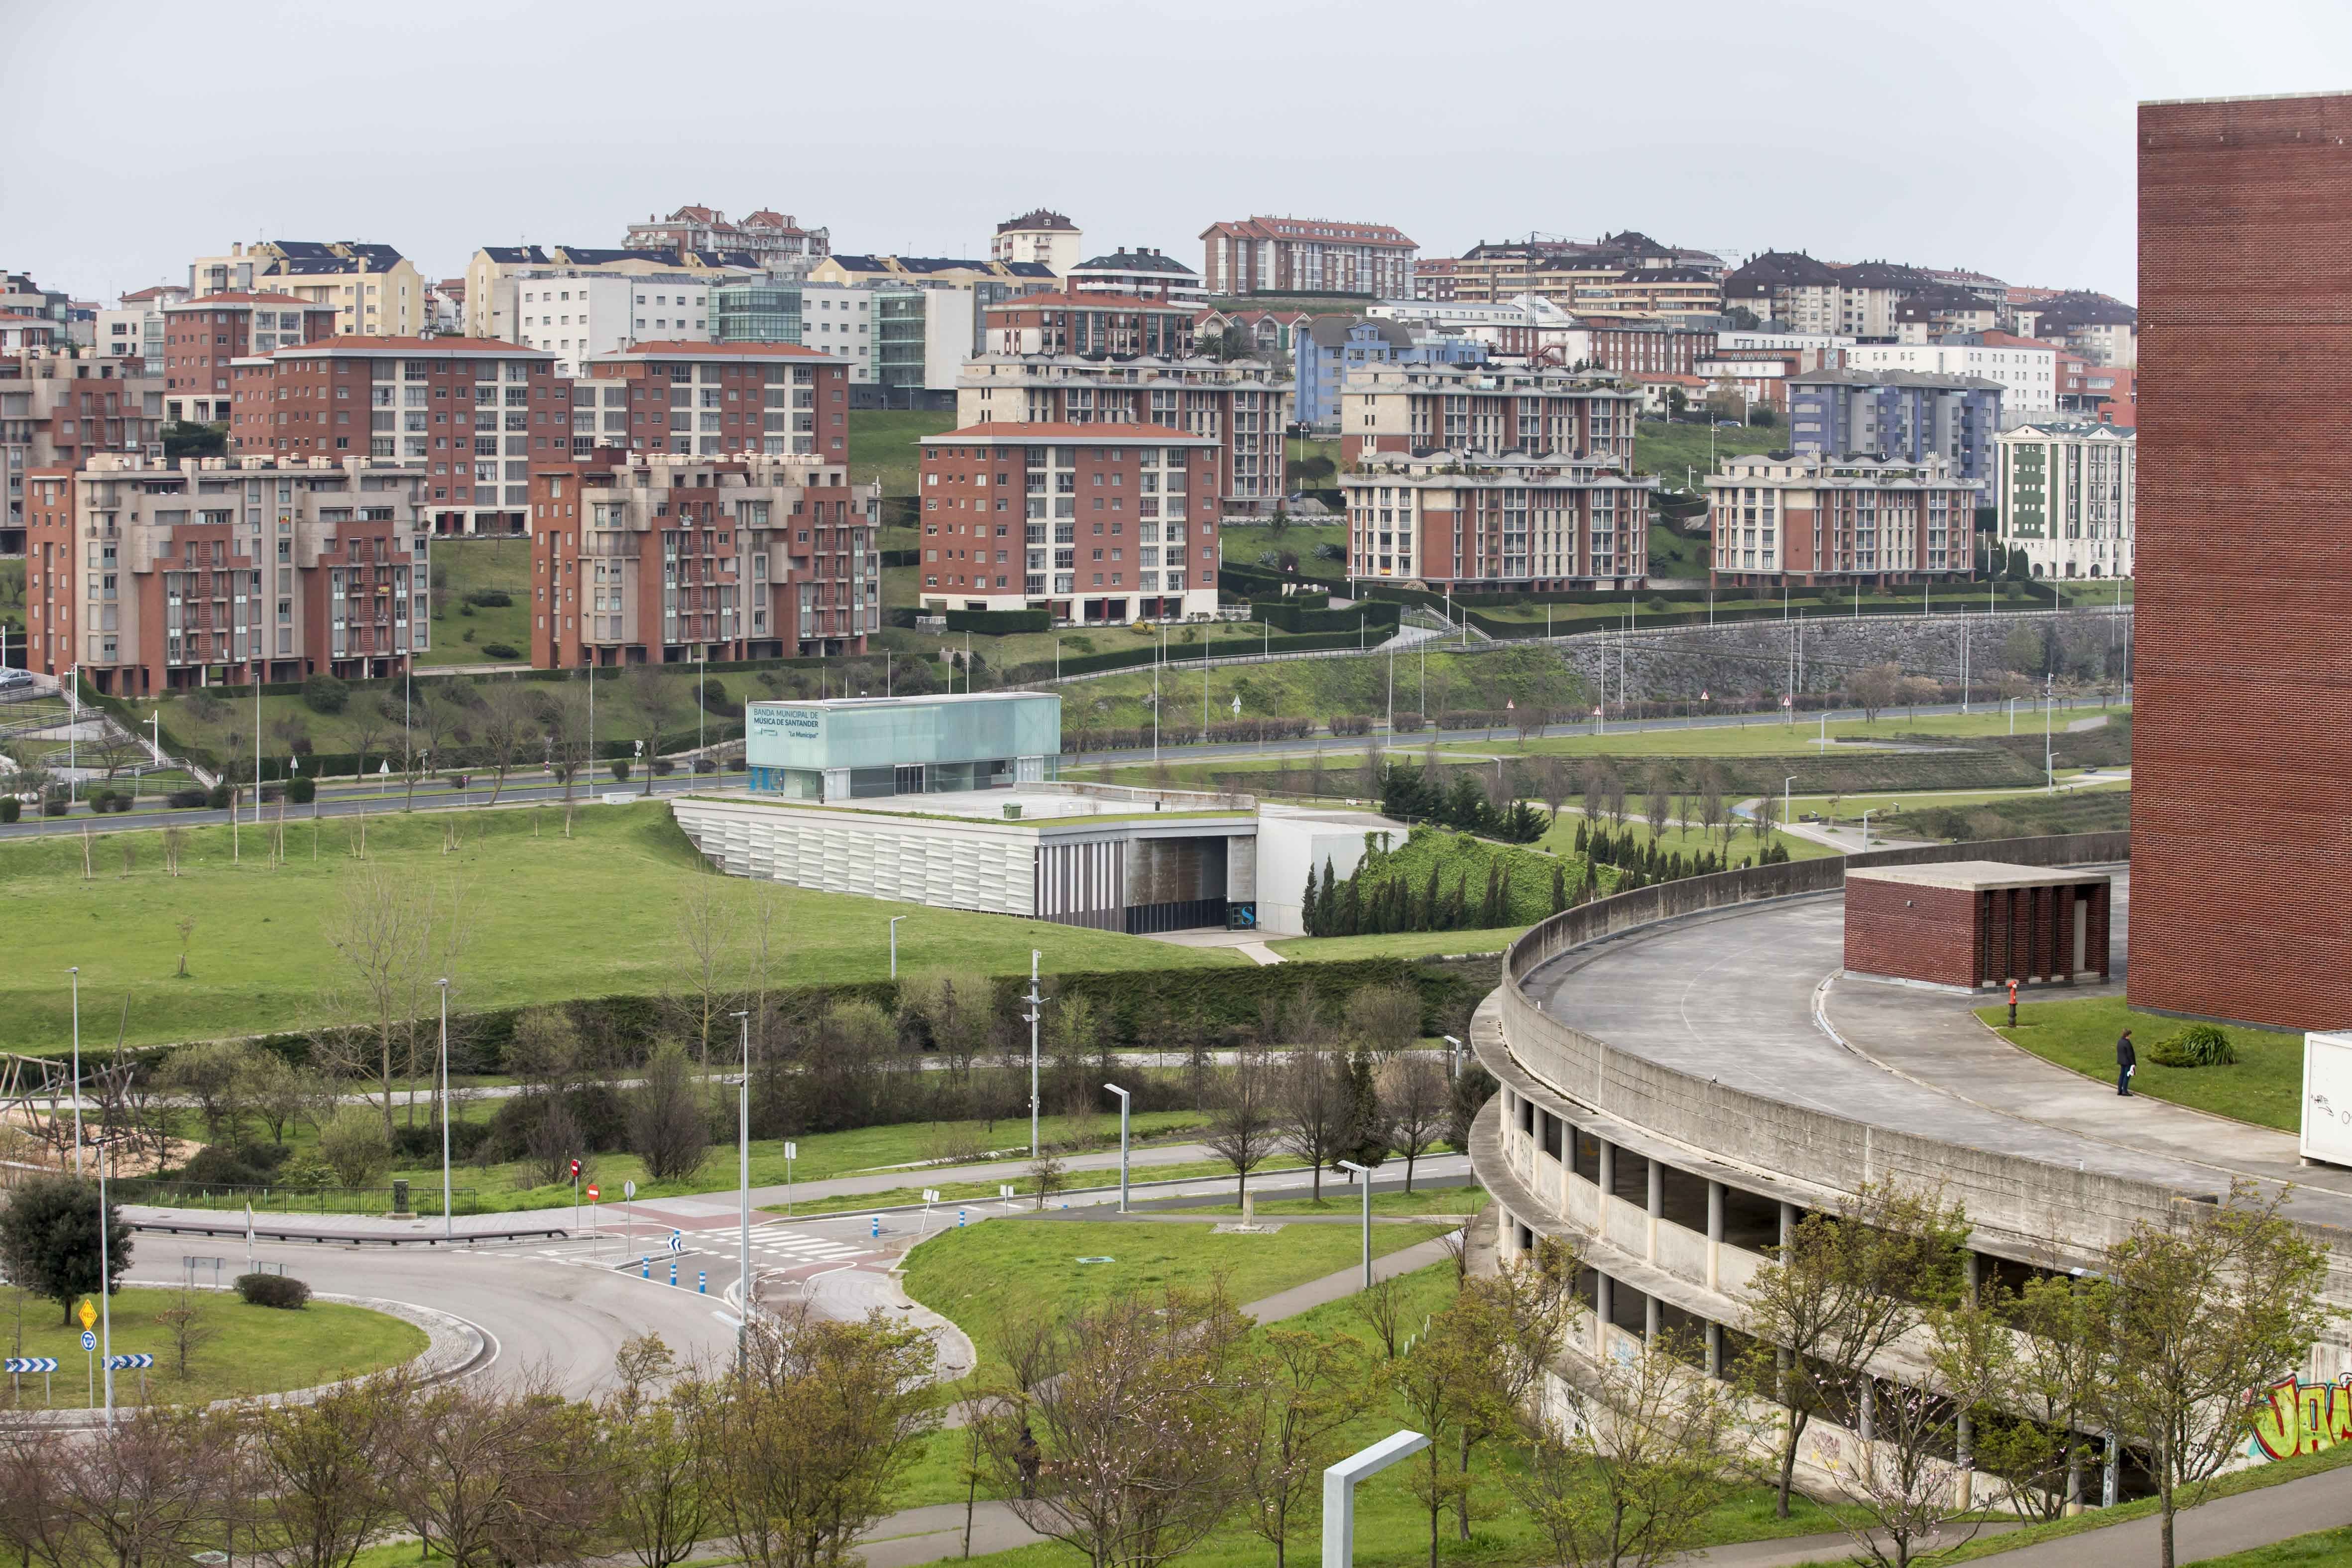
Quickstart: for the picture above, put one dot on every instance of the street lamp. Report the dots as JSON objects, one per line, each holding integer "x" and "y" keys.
{"x": 1123, "y": 1098}
{"x": 1865, "y": 830}
{"x": 1036, "y": 1011}
{"x": 105, "y": 1298}
{"x": 1452, "y": 1056}
{"x": 76, "y": 972}
{"x": 894, "y": 945}
{"x": 1365, "y": 1174}
{"x": 1339, "y": 1492}
{"x": 448, "y": 1225}
{"x": 1785, "y": 785}
{"x": 743, "y": 1175}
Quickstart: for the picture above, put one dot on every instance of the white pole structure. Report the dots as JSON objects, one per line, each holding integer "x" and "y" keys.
{"x": 1786, "y": 784}
{"x": 105, "y": 1300}
{"x": 1036, "y": 1011}
{"x": 1339, "y": 1492}
{"x": 1123, "y": 1098}
{"x": 448, "y": 1222}
{"x": 1364, "y": 1177}
{"x": 743, "y": 1177}
{"x": 2048, "y": 772}
{"x": 894, "y": 945}
{"x": 1865, "y": 830}
{"x": 76, "y": 972}
{"x": 1452, "y": 1056}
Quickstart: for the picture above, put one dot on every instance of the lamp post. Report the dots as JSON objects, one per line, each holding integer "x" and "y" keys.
{"x": 1785, "y": 784}
{"x": 1123, "y": 1098}
{"x": 1865, "y": 830}
{"x": 1365, "y": 1176}
{"x": 894, "y": 945}
{"x": 75, "y": 1087}
{"x": 1339, "y": 1492}
{"x": 448, "y": 1224}
{"x": 105, "y": 1298}
{"x": 1036, "y": 1011}
{"x": 1452, "y": 1056}
{"x": 743, "y": 1177}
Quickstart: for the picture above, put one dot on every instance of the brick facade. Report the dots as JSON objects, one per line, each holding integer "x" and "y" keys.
{"x": 2242, "y": 854}
{"x": 1976, "y": 936}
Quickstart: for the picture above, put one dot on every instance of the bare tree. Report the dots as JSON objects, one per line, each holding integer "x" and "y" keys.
{"x": 381, "y": 931}
{"x": 1139, "y": 1447}
{"x": 657, "y": 1455}
{"x": 1313, "y": 1108}
{"x": 668, "y": 1128}
{"x": 1413, "y": 1097}
{"x": 149, "y": 1490}
{"x": 189, "y": 1326}
{"x": 509, "y": 723}
{"x": 368, "y": 722}
{"x": 1381, "y": 1304}
{"x": 324, "y": 1465}
{"x": 1306, "y": 1388}
{"x": 1243, "y": 1127}
{"x": 1385, "y": 1019}
{"x": 1659, "y": 804}
{"x": 649, "y": 705}
{"x": 499, "y": 1473}
{"x": 709, "y": 927}
{"x": 175, "y": 844}
{"x": 1875, "y": 686}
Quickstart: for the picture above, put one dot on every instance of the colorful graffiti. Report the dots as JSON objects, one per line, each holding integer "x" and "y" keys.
{"x": 2295, "y": 1418}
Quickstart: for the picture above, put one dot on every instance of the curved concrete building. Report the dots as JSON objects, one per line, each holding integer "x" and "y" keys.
{"x": 1687, "y": 1069}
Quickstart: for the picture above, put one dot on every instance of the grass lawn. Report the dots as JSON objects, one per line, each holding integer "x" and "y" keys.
{"x": 1762, "y": 735}
{"x": 1674, "y": 555}
{"x": 257, "y": 1350}
{"x": 990, "y": 1275}
{"x": 1319, "y": 687}
{"x": 1667, "y": 449}
{"x": 461, "y": 629}
{"x": 1024, "y": 1186}
{"x": 2321, "y": 1549}
{"x": 1397, "y": 945}
{"x": 1419, "y": 1201}
{"x": 543, "y": 913}
{"x": 882, "y": 446}
{"x": 1245, "y": 543}
{"x": 2265, "y": 1087}
{"x": 1560, "y": 838}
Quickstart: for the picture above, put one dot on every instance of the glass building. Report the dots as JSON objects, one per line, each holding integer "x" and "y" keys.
{"x": 759, "y": 311}
{"x": 868, "y": 748}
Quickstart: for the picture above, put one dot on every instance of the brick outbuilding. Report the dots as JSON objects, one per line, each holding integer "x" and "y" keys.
{"x": 1974, "y": 924}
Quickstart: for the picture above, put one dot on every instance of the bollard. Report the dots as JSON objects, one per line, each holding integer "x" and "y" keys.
{"x": 673, "y": 1272}
{"x": 878, "y": 1226}
{"x": 702, "y": 1283}
{"x": 959, "y": 1219}
{"x": 648, "y": 1269}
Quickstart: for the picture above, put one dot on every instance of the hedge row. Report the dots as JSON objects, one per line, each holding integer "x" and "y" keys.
{"x": 1178, "y": 654}
{"x": 1138, "y": 1007}
{"x": 1293, "y": 617}
{"x": 1175, "y": 732}
{"x": 1724, "y": 599}
{"x": 999, "y": 623}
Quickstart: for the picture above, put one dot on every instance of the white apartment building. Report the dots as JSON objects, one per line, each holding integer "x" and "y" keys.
{"x": 2028, "y": 371}
{"x": 1040, "y": 235}
{"x": 2066, "y": 492}
{"x": 578, "y": 316}
{"x": 839, "y": 319}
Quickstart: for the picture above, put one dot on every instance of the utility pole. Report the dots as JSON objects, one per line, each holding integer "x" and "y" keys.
{"x": 448, "y": 1225}
{"x": 76, "y": 972}
{"x": 1036, "y": 1011}
{"x": 743, "y": 1177}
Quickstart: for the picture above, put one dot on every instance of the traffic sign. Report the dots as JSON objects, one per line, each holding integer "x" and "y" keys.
{"x": 592, "y": 1194}
{"x": 29, "y": 1363}
{"x": 88, "y": 1341}
{"x": 678, "y": 1241}
{"x": 138, "y": 1362}
{"x": 87, "y": 1313}
{"x": 628, "y": 1189}
{"x": 575, "y": 1170}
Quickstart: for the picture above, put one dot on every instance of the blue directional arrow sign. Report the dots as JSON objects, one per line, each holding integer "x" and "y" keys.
{"x": 678, "y": 1241}
{"x": 130, "y": 1362}
{"x": 29, "y": 1363}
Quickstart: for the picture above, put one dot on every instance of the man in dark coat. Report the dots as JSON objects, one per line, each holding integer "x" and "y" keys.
{"x": 2126, "y": 1058}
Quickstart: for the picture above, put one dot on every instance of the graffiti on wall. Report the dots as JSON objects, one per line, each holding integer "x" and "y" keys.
{"x": 2295, "y": 1418}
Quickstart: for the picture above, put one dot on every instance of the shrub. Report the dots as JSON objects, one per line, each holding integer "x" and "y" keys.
{"x": 2198, "y": 1046}
{"x": 11, "y": 808}
{"x": 621, "y": 769}
{"x": 218, "y": 1165}
{"x": 490, "y": 598}
{"x": 54, "y": 802}
{"x": 185, "y": 799}
{"x": 421, "y": 1145}
{"x": 279, "y": 1290}
{"x": 1351, "y": 724}
{"x": 501, "y": 651}
{"x": 1408, "y": 723}
{"x": 325, "y": 694}
{"x": 355, "y": 1146}
{"x": 705, "y": 766}
{"x": 301, "y": 791}
{"x": 218, "y": 797}
{"x": 664, "y": 767}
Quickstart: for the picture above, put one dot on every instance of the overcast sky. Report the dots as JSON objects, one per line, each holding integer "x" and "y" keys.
{"x": 1995, "y": 135}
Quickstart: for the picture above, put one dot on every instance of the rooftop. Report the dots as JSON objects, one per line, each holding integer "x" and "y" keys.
{"x": 1976, "y": 875}
{"x": 1104, "y": 435}
{"x": 1036, "y": 217}
{"x": 1137, "y": 260}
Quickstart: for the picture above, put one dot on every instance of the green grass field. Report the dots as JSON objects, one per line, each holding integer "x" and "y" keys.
{"x": 2321, "y": 1548}
{"x": 1761, "y": 735}
{"x": 1560, "y": 838}
{"x": 991, "y": 1275}
{"x": 1672, "y": 555}
{"x": 1668, "y": 450}
{"x": 2265, "y": 1087}
{"x": 1419, "y": 1201}
{"x": 459, "y": 629}
{"x": 551, "y": 918}
{"x": 1319, "y": 687}
{"x": 883, "y": 445}
{"x": 1396, "y": 944}
{"x": 255, "y": 1349}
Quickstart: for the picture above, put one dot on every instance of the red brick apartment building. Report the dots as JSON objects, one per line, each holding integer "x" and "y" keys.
{"x": 57, "y": 411}
{"x": 1400, "y": 409}
{"x": 1101, "y": 524}
{"x": 148, "y": 576}
{"x": 2241, "y": 850}
{"x": 1091, "y": 324}
{"x": 1307, "y": 256}
{"x": 657, "y": 558}
{"x": 202, "y": 336}
{"x": 712, "y": 400}
{"x": 1511, "y": 522}
{"x": 474, "y": 414}
{"x": 1811, "y": 520}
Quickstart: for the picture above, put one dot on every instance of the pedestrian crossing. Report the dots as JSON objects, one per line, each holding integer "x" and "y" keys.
{"x": 802, "y": 1246}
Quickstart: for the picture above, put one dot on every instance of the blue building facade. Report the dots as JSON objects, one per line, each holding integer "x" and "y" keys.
{"x": 1901, "y": 414}
{"x": 1327, "y": 348}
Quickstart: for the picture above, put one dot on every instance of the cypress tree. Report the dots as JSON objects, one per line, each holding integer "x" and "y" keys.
{"x": 1431, "y": 901}
{"x": 1351, "y": 917}
{"x": 1366, "y": 1140}
{"x": 1310, "y": 911}
{"x": 1559, "y": 887}
{"x": 1584, "y": 840}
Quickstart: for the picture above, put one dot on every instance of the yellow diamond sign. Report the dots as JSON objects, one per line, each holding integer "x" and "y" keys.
{"x": 89, "y": 1314}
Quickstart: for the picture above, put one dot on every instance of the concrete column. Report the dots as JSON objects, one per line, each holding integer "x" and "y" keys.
{"x": 1657, "y": 1207}
{"x": 1604, "y": 1302}
{"x": 1787, "y": 1223}
{"x": 1607, "y": 1176}
{"x": 1649, "y": 1323}
{"x": 1714, "y": 1241}
{"x": 1714, "y": 1349}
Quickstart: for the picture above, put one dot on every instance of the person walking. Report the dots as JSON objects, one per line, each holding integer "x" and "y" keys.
{"x": 2126, "y": 1058}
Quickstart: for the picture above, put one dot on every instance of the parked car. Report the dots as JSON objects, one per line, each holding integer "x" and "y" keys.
{"x": 15, "y": 680}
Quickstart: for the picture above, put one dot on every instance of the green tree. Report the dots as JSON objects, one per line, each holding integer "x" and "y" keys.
{"x": 1448, "y": 1385}
{"x": 49, "y": 1240}
{"x": 668, "y": 1127}
{"x": 1306, "y": 1388}
{"x": 323, "y": 1464}
{"x": 354, "y": 1144}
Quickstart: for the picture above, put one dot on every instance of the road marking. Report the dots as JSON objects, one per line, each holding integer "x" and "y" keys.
{"x": 727, "y": 1318}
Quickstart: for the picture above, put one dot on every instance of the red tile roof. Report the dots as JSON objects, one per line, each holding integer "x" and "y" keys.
{"x": 1050, "y": 430}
